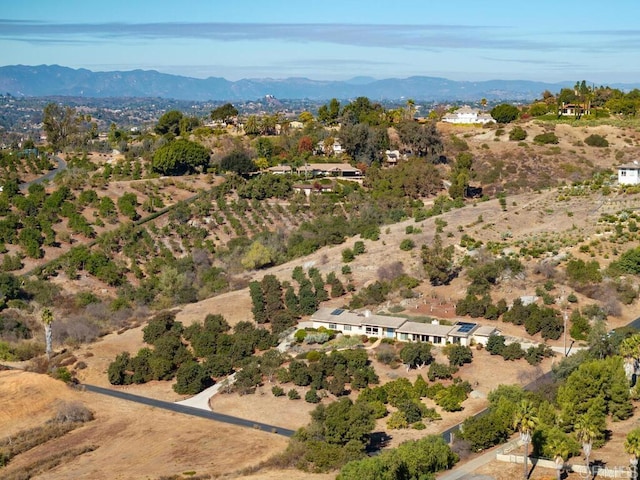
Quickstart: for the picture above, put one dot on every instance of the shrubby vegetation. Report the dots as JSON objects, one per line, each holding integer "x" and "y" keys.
{"x": 176, "y": 351}
{"x": 546, "y": 138}
{"x": 412, "y": 459}
{"x": 595, "y": 140}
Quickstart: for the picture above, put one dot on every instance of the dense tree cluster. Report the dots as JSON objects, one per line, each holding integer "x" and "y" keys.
{"x": 438, "y": 262}
{"x": 331, "y": 373}
{"x": 411, "y": 460}
{"x": 589, "y": 390}
{"x": 421, "y": 140}
{"x": 180, "y": 157}
{"x": 505, "y": 113}
{"x": 338, "y": 433}
{"x": 176, "y": 351}
{"x": 225, "y": 113}
{"x": 412, "y": 179}
{"x": 535, "y": 319}
{"x": 238, "y": 162}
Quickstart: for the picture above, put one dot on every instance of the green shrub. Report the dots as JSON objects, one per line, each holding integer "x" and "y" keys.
{"x": 277, "y": 391}
{"x": 358, "y": 248}
{"x": 596, "y": 140}
{"x": 517, "y": 134}
{"x": 397, "y": 421}
{"x": 546, "y": 139}
{"x": 293, "y": 394}
{"x": 314, "y": 356}
{"x": 348, "y": 255}
{"x": 407, "y": 244}
{"x": 312, "y": 396}
{"x": 300, "y": 335}
{"x": 62, "y": 373}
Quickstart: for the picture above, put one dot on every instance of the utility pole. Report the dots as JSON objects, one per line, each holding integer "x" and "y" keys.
{"x": 565, "y": 317}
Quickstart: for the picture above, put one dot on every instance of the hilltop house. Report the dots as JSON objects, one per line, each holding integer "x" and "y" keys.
{"x": 399, "y": 328}
{"x": 316, "y": 187}
{"x": 334, "y": 149}
{"x": 572, "y": 110}
{"x": 280, "y": 169}
{"x": 330, "y": 169}
{"x": 392, "y": 157}
{"x": 629, "y": 174}
{"x": 468, "y": 115}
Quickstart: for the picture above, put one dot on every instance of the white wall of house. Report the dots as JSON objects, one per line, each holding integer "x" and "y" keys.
{"x": 629, "y": 175}
{"x": 397, "y": 328}
{"x": 467, "y": 115}
{"x": 340, "y": 327}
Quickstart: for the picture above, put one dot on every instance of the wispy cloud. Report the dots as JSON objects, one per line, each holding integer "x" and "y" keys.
{"x": 532, "y": 61}
{"x": 361, "y": 35}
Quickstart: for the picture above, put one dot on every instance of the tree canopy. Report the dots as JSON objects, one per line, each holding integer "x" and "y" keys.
{"x": 60, "y": 124}
{"x": 169, "y": 122}
{"x": 421, "y": 140}
{"x": 180, "y": 157}
{"x": 505, "y": 113}
{"x": 238, "y": 162}
{"x": 224, "y": 113}
{"x": 415, "y": 459}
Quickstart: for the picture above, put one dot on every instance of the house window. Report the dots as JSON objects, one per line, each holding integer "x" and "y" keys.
{"x": 403, "y": 336}
{"x": 623, "y": 173}
{"x": 347, "y": 328}
{"x": 371, "y": 330}
{"x": 332, "y": 326}
{"x": 437, "y": 339}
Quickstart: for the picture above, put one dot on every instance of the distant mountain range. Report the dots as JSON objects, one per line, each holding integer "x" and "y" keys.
{"x": 52, "y": 80}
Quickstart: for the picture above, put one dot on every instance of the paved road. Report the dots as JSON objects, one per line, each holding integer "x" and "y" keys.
{"x": 465, "y": 470}
{"x": 196, "y": 412}
{"x": 62, "y": 165}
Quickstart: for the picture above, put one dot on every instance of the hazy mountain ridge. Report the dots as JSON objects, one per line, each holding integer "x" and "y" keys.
{"x": 49, "y": 80}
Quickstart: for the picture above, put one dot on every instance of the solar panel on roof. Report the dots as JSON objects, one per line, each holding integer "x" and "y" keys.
{"x": 337, "y": 311}
{"x": 465, "y": 327}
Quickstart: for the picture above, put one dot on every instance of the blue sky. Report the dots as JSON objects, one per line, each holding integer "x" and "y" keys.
{"x": 560, "y": 40}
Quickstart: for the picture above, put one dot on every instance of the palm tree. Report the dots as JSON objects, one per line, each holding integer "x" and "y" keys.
{"x": 483, "y": 102}
{"x": 411, "y": 108}
{"x": 559, "y": 448}
{"x": 586, "y": 433}
{"x": 47, "y": 319}
{"x": 632, "y": 446}
{"x": 525, "y": 421}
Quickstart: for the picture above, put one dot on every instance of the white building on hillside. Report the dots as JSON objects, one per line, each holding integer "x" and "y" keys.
{"x": 399, "y": 328}
{"x": 629, "y": 174}
{"x": 466, "y": 115}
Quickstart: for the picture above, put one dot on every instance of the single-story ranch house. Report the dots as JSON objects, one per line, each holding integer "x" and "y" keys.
{"x": 629, "y": 174}
{"x": 399, "y": 328}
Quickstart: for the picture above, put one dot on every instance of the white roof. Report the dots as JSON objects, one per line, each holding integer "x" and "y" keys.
{"x": 486, "y": 331}
{"x": 630, "y": 166}
{"x": 418, "y": 328}
{"x": 347, "y": 317}
{"x": 329, "y": 167}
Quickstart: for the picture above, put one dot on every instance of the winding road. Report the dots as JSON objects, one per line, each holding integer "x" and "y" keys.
{"x": 62, "y": 165}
